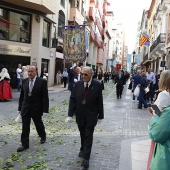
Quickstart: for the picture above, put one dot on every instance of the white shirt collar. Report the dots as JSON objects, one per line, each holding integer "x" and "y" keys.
{"x": 33, "y": 79}
{"x": 88, "y": 83}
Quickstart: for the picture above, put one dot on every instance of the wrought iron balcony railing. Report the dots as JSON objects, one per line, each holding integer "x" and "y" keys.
{"x": 160, "y": 39}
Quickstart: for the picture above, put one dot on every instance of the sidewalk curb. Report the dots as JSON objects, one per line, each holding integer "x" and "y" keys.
{"x": 134, "y": 153}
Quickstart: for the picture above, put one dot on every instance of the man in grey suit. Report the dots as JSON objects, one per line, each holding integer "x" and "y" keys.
{"x": 33, "y": 102}
{"x": 86, "y": 102}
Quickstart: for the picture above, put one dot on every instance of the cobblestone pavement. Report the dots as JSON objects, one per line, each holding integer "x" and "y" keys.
{"x": 60, "y": 152}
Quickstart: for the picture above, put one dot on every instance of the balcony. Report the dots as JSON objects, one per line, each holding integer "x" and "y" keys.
{"x": 91, "y": 14}
{"x": 104, "y": 21}
{"x": 159, "y": 12}
{"x": 155, "y": 21}
{"x": 158, "y": 43}
{"x": 76, "y": 16}
{"x": 92, "y": 35}
{"x": 105, "y": 8}
{"x": 93, "y": 1}
{"x": 103, "y": 36}
{"x": 45, "y": 6}
{"x": 96, "y": 39}
{"x": 98, "y": 42}
{"x": 100, "y": 56}
{"x": 99, "y": 9}
{"x": 164, "y": 4}
{"x": 99, "y": 25}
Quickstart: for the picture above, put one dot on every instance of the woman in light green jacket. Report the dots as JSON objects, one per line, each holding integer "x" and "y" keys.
{"x": 160, "y": 134}
{"x": 160, "y": 126}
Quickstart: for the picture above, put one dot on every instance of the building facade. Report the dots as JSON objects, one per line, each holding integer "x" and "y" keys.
{"x": 26, "y": 33}
{"x": 156, "y": 56}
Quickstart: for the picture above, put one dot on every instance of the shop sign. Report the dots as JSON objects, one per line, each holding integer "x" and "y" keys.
{"x": 118, "y": 67}
{"x": 15, "y": 50}
{"x": 162, "y": 64}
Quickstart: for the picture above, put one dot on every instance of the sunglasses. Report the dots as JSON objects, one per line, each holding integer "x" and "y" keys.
{"x": 84, "y": 74}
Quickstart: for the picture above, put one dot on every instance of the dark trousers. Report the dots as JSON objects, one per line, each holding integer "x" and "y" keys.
{"x": 26, "y": 120}
{"x": 86, "y": 134}
{"x": 150, "y": 94}
{"x": 18, "y": 84}
{"x": 65, "y": 81}
{"x": 142, "y": 100}
{"x": 119, "y": 89}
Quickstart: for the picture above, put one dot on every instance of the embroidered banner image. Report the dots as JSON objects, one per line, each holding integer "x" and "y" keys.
{"x": 74, "y": 46}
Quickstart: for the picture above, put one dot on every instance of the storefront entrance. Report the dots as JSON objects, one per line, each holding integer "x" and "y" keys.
{"x": 11, "y": 63}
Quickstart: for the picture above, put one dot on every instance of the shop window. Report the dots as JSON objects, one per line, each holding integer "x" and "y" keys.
{"x": 24, "y": 37}
{"x": 14, "y": 26}
{"x": 46, "y": 34}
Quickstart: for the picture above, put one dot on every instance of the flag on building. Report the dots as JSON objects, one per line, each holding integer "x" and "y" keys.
{"x": 144, "y": 38}
{"x": 147, "y": 43}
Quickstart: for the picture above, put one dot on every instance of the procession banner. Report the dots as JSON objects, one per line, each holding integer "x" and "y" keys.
{"x": 74, "y": 45}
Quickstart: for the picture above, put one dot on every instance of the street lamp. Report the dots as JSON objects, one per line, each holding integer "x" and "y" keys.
{"x": 133, "y": 62}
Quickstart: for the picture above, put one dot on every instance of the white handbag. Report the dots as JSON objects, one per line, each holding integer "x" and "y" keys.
{"x": 146, "y": 89}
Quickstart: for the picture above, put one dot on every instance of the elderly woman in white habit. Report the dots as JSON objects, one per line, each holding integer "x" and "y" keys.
{"x": 5, "y": 88}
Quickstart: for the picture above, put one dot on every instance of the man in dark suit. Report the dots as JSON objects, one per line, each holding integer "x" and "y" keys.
{"x": 78, "y": 76}
{"x": 136, "y": 81}
{"x": 86, "y": 102}
{"x": 33, "y": 102}
{"x": 119, "y": 81}
{"x": 72, "y": 74}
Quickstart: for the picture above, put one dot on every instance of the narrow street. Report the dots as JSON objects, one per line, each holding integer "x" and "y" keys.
{"x": 122, "y": 121}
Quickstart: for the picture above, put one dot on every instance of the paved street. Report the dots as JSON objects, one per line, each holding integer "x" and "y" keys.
{"x": 122, "y": 122}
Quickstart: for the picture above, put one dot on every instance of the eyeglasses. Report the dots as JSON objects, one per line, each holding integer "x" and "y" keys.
{"x": 84, "y": 74}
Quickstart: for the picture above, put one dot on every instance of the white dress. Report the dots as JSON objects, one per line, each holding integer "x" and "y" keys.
{"x": 163, "y": 100}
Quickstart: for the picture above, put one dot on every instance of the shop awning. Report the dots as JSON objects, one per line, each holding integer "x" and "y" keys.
{"x": 147, "y": 61}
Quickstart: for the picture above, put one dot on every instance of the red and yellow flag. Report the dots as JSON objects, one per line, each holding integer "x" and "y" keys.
{"x": 143, "y": 40}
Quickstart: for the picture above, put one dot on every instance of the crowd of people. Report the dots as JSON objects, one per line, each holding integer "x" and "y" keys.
{"x": 147, "y": 83}
{"x": 86, "y": 102}
{"x": 157, "y": 100}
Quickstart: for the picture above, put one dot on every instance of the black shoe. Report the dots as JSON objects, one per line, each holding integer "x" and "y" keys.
{"x": 42, "y": 140}
{"x": 22, "y": 148}
{"x": 80, "y": 153}
{"x": 120, "y": 97}
{"x": 85, "y": 163}
{"x": 117, "y": 97}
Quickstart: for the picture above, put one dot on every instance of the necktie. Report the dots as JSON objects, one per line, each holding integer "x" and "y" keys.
{"x": 31, "y": 86}
{"x": 86, "y": 88}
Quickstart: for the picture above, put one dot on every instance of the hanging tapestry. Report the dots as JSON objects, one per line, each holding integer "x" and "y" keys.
{"x": 74, "y": 45}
